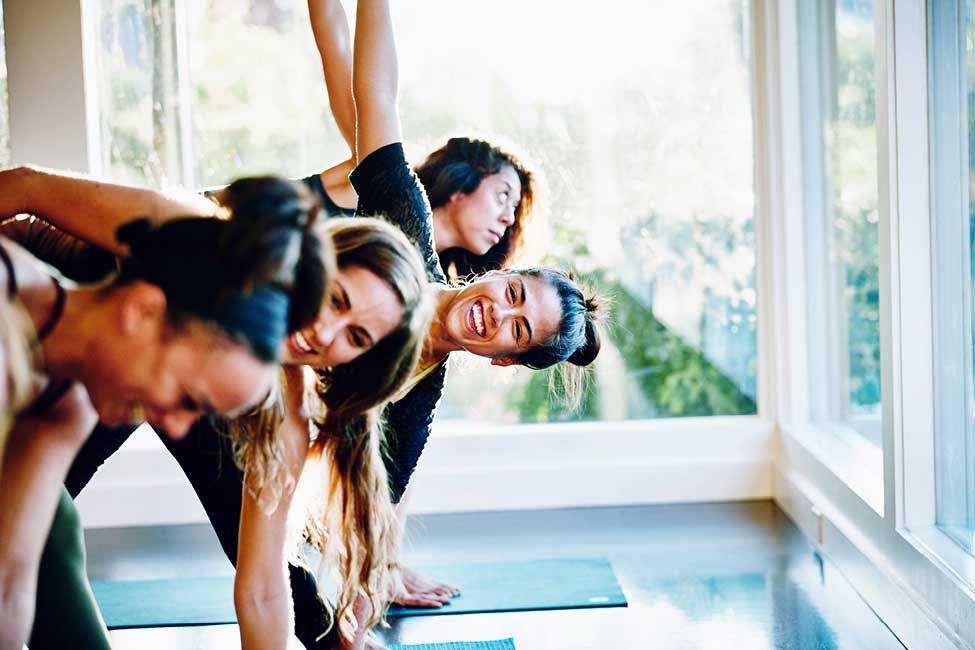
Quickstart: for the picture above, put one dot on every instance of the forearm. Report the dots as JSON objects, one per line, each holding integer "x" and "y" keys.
{"x": 34, "y": 465}
{"x": 89, "y": 209}
{"x": 330, "y": 26}
{"x": 375, "y": 78}
{"x": 264, "y": 615}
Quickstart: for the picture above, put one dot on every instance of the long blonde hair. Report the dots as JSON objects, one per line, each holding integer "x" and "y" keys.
{"x": 16, "y": 332}
{"x": 352, "y": 525}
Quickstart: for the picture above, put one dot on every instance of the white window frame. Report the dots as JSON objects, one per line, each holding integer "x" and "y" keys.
{"x": 917, "y": 579}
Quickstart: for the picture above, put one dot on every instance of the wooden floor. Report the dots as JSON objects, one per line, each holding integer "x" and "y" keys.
{"x": 735, "y": 576}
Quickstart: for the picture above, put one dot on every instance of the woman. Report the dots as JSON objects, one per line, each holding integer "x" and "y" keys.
{"x": 182, "y": 331}
{"x": 371, "y": 321}
{"x": 481, "y": 195}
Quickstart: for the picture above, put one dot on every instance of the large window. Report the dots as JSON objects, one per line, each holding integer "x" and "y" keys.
{"x": 4, "y": 115}
{"x": 840, "y": 148}
{"x": 638, "y": 116}
{"x": 952, "y": 130}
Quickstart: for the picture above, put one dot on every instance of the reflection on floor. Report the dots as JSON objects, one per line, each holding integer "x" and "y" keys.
{"x": 735, "y": 576}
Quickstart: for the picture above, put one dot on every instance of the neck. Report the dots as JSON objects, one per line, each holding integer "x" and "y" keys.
{"x": 438, "y": 342}
{"x": 444, "y": 235}
{"x": 65, "y": 350}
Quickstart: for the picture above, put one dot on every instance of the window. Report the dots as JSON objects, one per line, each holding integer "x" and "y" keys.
{"x": 952, "y": 129}
{"x": 837, "y": 59}
{"x": 4, "y": 116}
{"x": 638, "y": 116}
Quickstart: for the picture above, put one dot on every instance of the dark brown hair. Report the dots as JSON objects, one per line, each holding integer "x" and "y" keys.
{"x": 460, "y": 166}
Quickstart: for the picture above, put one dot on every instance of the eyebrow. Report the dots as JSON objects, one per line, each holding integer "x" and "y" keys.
{"x": 344, "y": 294}
{"x": 528, "y": 326}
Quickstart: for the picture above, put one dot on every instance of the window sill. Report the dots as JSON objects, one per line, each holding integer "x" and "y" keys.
{"x": 849, "y": 457}
{"x": 944, "y": 553}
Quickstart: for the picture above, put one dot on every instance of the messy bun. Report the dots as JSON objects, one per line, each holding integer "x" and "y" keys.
{"x": 256, "y": 275}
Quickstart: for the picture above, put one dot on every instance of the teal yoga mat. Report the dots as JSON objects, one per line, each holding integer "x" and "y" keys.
{"x": 493, "y": 587}
{"x": 521, "y": 586}
{"x": 500, "y": 644}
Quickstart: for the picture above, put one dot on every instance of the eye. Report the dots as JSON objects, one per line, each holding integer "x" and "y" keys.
{"x": 503, "y": 196}
{"x": 511, "y": 294}
{"x": 356, "y": 339}
{"x": 518, "y": 332}
{"x": 336, "y": 301}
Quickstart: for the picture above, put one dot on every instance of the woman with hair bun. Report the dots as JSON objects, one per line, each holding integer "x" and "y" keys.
{"x": 185, "y": 329}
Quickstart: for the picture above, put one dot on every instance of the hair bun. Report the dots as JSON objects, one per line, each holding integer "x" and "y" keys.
{"x": 589, "y": 350}
{"x": 134, "y": 234}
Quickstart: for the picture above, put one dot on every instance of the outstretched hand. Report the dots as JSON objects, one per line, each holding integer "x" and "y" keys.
{"x": 415, "y": 590}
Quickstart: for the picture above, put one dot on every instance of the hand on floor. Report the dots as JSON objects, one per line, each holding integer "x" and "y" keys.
{"x": 414, "y": 590}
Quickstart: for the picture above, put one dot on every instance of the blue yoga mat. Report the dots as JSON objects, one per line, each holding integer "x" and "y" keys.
{"x": 523, "y": 586}
{"x": 500, "y": 644}
{"x": 494, "y": 587}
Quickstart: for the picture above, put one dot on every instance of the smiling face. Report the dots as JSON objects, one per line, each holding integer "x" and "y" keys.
{"x": 502, "y": 316}
{"x": 481, "y": 218}
{"x": 361, "y": 310}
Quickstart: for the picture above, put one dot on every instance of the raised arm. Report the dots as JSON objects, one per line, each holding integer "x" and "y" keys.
{"x": 90, "y": 209}
{"x": 330, "y": 26}
{"x": 262, "y": 595}
{"x": 375, "y": 78}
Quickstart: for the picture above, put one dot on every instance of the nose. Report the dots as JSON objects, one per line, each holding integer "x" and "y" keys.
{"x": 327, "y": 329}
{"x": 177, "y": 423}
{"x": 508, "y": 216}
{"x": 500, "y": 311}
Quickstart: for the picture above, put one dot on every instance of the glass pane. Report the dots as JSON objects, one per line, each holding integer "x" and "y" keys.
{"x": 644, "y": 135}
{"x": 952, "y": 126}
{"x": 259, "y": 102}
{"x": 140, "y": 109}
{"x": 4, "y": 115}
{"x": 843, "y": 278}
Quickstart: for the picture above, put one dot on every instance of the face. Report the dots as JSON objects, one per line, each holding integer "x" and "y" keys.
{"x": 361, "y": 310}
{"x": 482, "y": 216}
{"x": 171, "y": 379}
{"x": 503, "y": 315}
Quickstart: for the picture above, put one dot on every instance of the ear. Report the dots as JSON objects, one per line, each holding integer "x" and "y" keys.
{"x": 142, "y": 305}
{"x": 503, "y": 362}
{"x": 455, "y": 196}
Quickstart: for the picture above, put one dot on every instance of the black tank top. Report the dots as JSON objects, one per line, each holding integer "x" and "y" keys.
{"x": 56, "y": 388}
{"x": 331, "y": 208}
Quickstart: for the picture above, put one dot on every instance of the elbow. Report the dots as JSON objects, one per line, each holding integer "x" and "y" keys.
{"x": 260, "y": 597}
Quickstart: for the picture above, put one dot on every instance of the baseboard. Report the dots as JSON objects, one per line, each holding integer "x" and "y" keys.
{"x": 862, "y": 564}
{"x": 469, "y": 468}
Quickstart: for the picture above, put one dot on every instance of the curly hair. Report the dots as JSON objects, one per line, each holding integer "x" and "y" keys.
{"x": 460, "y": 166}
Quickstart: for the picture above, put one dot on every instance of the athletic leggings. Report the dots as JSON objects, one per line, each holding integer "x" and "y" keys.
{"x": 207, "y": 461}
{"x": 66, "y": 614}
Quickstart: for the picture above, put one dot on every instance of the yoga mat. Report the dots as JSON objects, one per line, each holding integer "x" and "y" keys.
{"x": 500, "y": 644}
{"x": 494, "y": 587}
{"x": 524, "y": 586}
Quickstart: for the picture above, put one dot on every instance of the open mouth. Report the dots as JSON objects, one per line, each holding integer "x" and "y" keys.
{"x": 299, "y": 344}
{"x": 475, "y": 319}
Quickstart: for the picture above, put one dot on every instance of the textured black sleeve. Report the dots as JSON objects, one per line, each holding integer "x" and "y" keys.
{"x": 388, "y": 188}
{"x": 408, "y": 422}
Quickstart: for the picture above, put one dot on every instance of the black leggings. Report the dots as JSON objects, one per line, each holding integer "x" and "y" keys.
{"x": 206, "y": 459}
